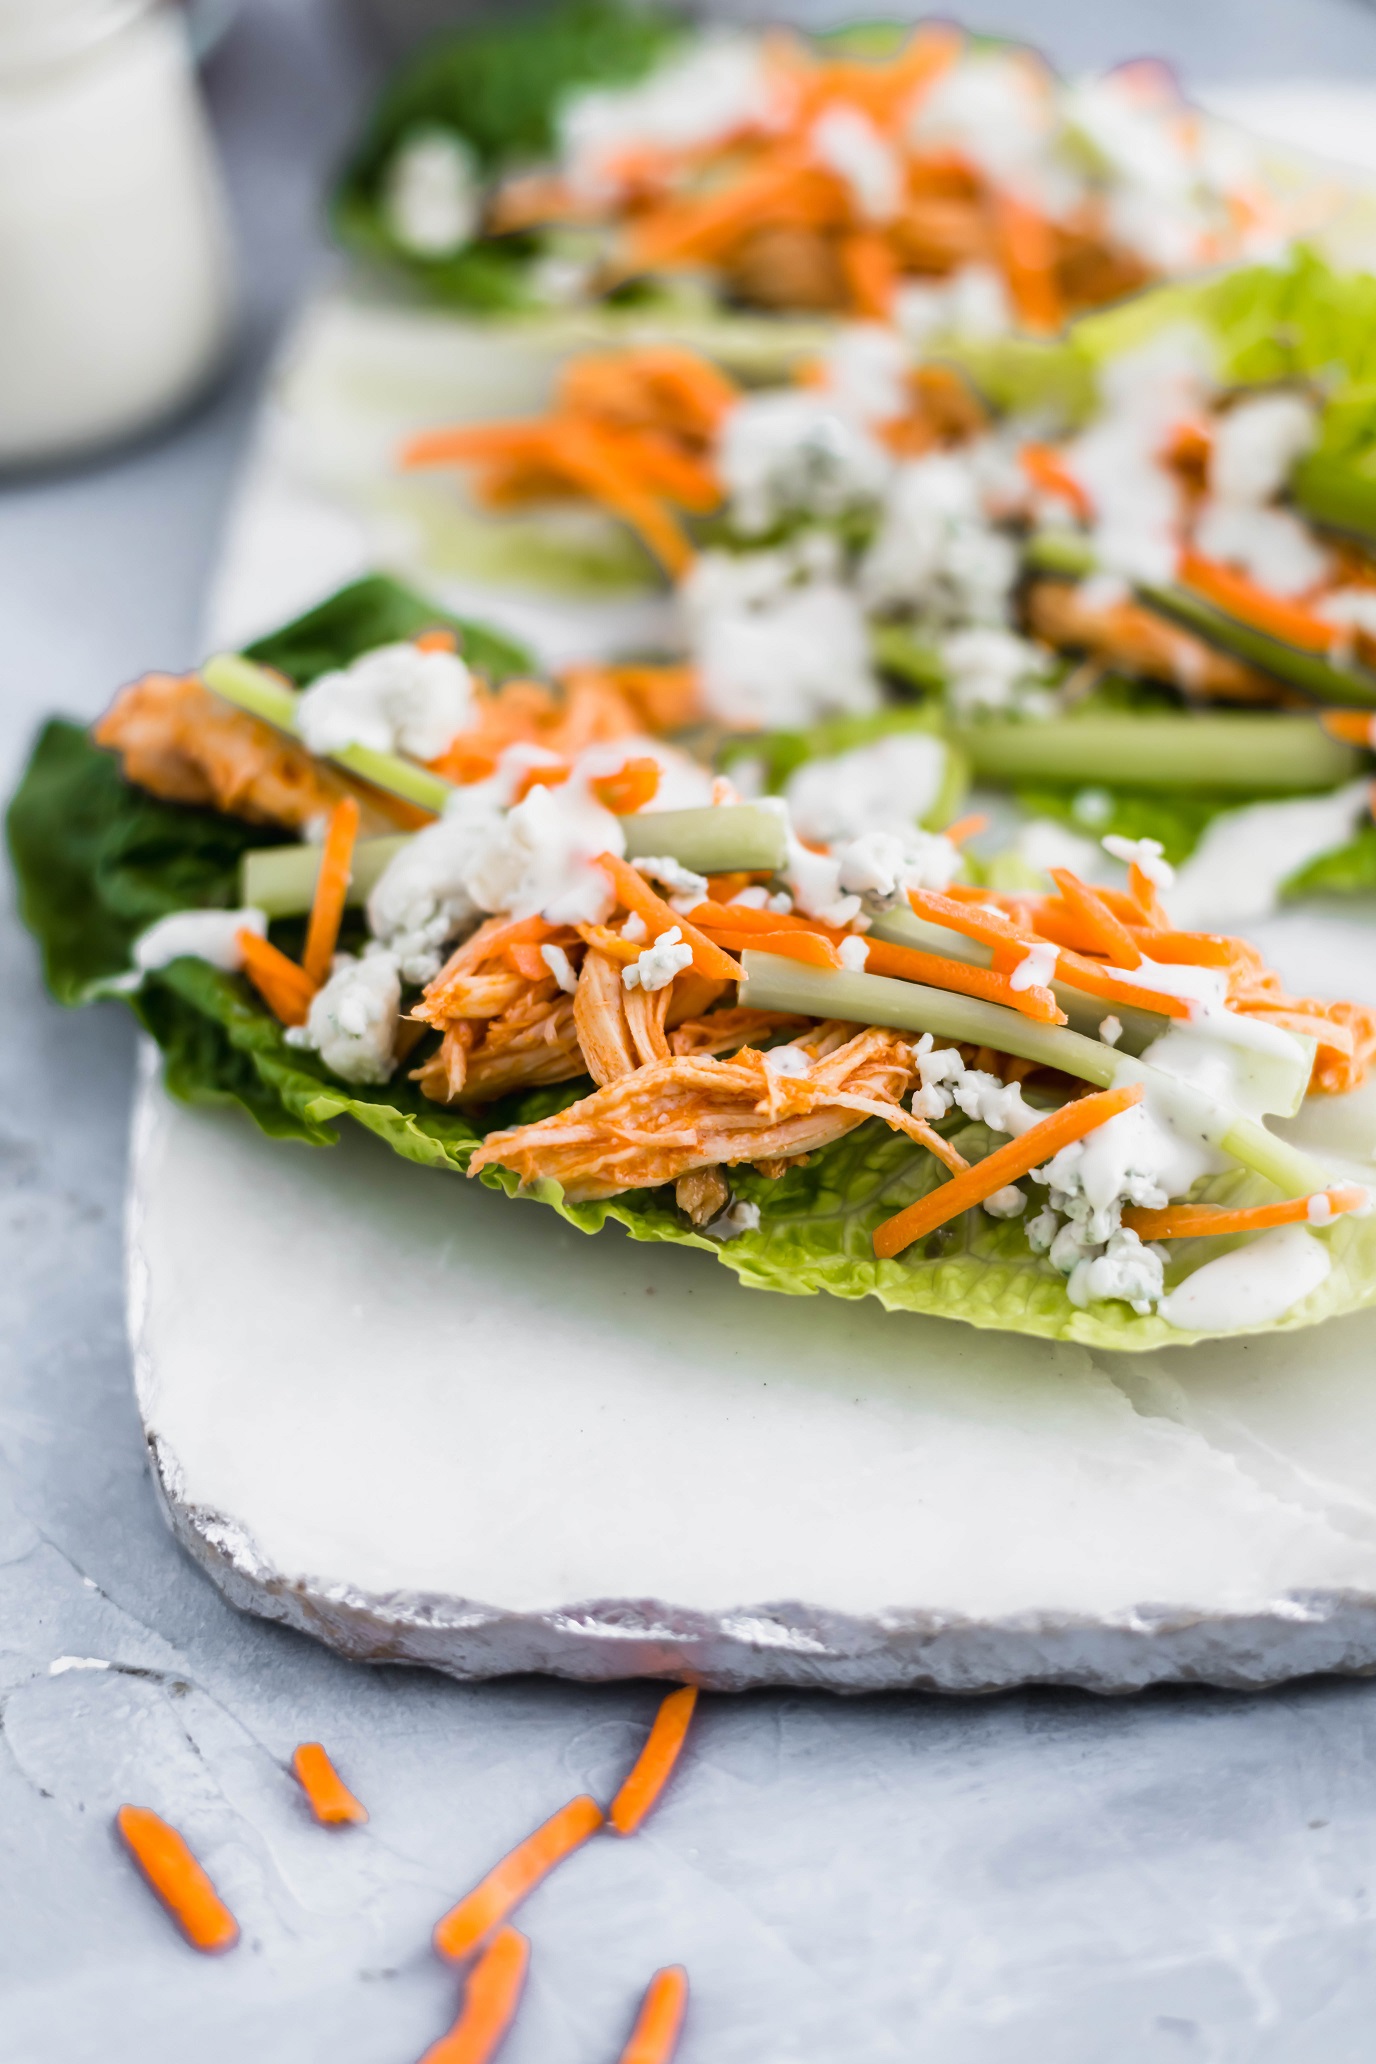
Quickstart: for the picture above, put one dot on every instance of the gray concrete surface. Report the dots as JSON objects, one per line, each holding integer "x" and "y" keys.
{"x": 1183, "y": 1876}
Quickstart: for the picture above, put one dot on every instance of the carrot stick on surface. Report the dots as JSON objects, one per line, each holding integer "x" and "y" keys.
{"x": 1050, "y": 475}
{"x": 654, "y": 1765}
{"x": 331, "y": 890}
{"x": 459, "y": 1932}
{"x": 1109, "y": 934}
{"x": 1027, "y": 246}
{"x": 1098, "y": 980}
{"x": 911, "y": 964}
{"x": 437, "y": 641}
{"x": 330, "y": 1799}
{"x": 285, "y": 988}
{"x": 655, "y": 2036}
{"x": 179, "y": 1881}
{"x": 965, "y": 827}
{"x": 490, "y": 2000}
{"x": 637, "y": 895}
{"x": 1191, "y": 1221}
{"x": 1354, "y": 727}
{"x": 870, "y": 271}
{"x": 1003, "y": 1166}
{"x": 1236, "y": 595}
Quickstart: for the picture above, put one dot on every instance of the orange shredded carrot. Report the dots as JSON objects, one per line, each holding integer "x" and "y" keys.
{"x": 1003, "y": 1166}
{"x": 1109, "y": 934}
{"x": 653, "y": 1767}
{"x": 911, "y": 964}
{"x": 331, "y": 890}
{"x": 630, "y": 789}
{"x": 1190, "y": 1221}
{"x": 982, "y": 921}
{"x": 179, "y": 1881}
{"x": 1027, "y": 246}
{"x": 1097, "y": 980}
{"x": 464, "y": 764}
{"x": 637, "y": 895}
{"x": 285, "y": 988}
{"x": 459, "y": 1932}
{"x": 490, "y": 2000}
{"x": 331, "y": 1801}
{"x": 1188, "y": 949}
{"x": 437, "y": 641}
{"x": 808, "y": 947}
{"x": 870, "y": 271}
{"x": 1142, "y": 890}
{"x": 654, "y": 2038}
{"x": 609, "y": 942}
{"x": 1354, "y": 727}
{"x": 1050, "y": 475}
{"x": 966, "y": 827}
{"x": 1250, "y": 603}
{"x": 527, "y": 961}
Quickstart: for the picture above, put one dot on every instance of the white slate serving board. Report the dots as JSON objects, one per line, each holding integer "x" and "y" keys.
{"x": 428, "y": 1424}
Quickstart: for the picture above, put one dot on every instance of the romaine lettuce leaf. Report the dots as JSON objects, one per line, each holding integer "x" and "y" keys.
{"x": 97, "y": 860}
{"x": 498, "y": 86}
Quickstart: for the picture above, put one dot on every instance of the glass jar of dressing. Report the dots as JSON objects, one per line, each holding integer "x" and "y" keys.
{"x": 115, "y": 277}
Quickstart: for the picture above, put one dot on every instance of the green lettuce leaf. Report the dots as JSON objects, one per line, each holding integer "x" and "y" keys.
{"x": 378, "y": 611}
{"x": 96, "y": 860}
{"x": 499, "y": 87}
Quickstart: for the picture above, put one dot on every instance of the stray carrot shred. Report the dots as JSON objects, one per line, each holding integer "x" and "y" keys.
{"x": 654, "y": 1765}
{"x": 1354, "y": 727}
{"x": 635, "y": 892}
{"x": 630, "y": 789}
{"x": 437, "y": 641}
{"x": 331, "y": 1801}
{"x": 1110, "y": 934}
{"x": 285, "y": 988}
{"x": 802, "y": 945}
{"x": 1193, "y": 1221}
{"x": 179, "y": 1881}
{"x": 331, "y": 891}
{"x": 659, "y": 2023}
{"x": 1002, "y": 1167}
{"x": 1238, "y": 596}
{"x": 490, "y": 2000}
{"x": 458, "y": 1932}
{"x": 966, "y": 827}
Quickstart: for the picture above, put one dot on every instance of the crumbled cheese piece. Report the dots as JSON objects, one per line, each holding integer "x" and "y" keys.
{"x": 1110, "y": 1030}
{"x": 794, "y": 453}
{"x": 814, "y": 881}
{"x": 1125, "y": 1270}
{"x": 994, "y": 670}
{"x": 1037, "y": 967}
{"x": 854, "y": 953}
{"x": 864, "y": 372}
{"x": 1272, "y": 546}
{"x": 352, "y": 1023}
{"x": 420, "y": 901}
{"x": 540, "y": 859}
{"x": 738, "y": 1218}
{"x": 884, "y": 865}
{"x": 848, "y": 143}
{"x": 1318, "y": 1210}
{"x": 635, "y": 928}
{"x": 210, "y": 935}
{"x": 999, "y": 1105}
{"x": 1042, "y": 1230}
{"x": 778, "y": 639}
{"x": 971, "y": 302}
{"x": 1256, "y": 443}
{"x": 686, "y": 889}
{"x": 431, "y": 198}
{"x": 885, "y": 786}
{"x": 935, "y": 552}
{"x": 705, "y": 90}
{"x": 789, "y": 1061}
{"x": 1145, "y": 854}
{"x": 561, "y": 967}
{"x": 394, "y": 699}
{"x": 1009, "y": 1202}
{"x": 659, "y": 963}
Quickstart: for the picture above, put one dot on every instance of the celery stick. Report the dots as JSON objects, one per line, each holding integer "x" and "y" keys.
{"x": 770, "y": 982}
{"x": 773, "y": 983}
{"x": 1336, "y": 491}
{"x": 253, "y": 688}
{"x": 896, "y": 651}
{"x": 1253, "y": 754}
{"x": 1313, "y": 675}
{"x": 903, "y": 927}
{"x": 280, "y": 880}
{"x": 720, "y": 840}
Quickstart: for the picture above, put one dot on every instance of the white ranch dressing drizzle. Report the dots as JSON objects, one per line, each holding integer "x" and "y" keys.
{"x": 210, "y": 935}
{"x": 1251, "y": 1285}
